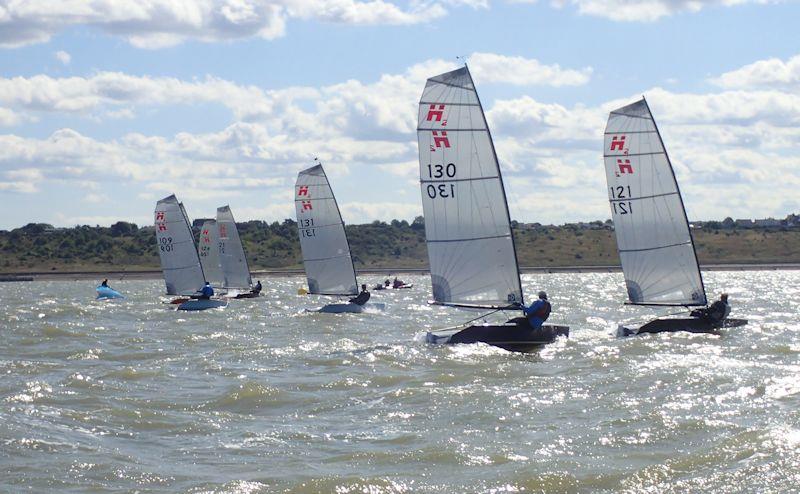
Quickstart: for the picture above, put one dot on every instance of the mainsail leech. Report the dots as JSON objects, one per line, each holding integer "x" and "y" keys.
{"x": 654, "y": 239}
{"x": 323, "y": 241}
{"x": 471, "y": 248}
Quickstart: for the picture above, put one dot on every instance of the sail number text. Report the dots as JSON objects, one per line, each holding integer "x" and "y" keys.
{"x": 165, "y": 244}
{"x": 621, "y": 192}
{"x": 443, "y": 190}
{"x": 307, "y": 228}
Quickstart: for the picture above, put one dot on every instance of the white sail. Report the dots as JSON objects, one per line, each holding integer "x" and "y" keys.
{"x": 326, "y": 253}
{"x": 653, "y": 237}
{"x": 208, "y": 248}
{"x": 470, "y": 246}
{"x": 180, "y": 263}
{"x": 235, "y": 270}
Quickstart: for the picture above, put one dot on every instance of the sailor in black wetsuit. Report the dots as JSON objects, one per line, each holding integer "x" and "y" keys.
{"x": 256, "y": 289}
{"x": 716, "y": 313}
{"x": 362, "y": 297}
{"x": 105, "y": 283}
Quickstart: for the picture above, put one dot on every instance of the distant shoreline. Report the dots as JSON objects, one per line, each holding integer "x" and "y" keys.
{"x": 156, "y": 274}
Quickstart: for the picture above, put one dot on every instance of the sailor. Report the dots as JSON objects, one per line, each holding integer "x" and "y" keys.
{"x": 397, "y": 283}
{"x": 538, "y": 312}
{"x": 387, "y": 283}
{"x": 257, "y": 289}
{"x": 207, "y": 292}
{"x": 717, "y": 312}
{"x": 105, "y": 283}
{"x": 362, "y": 297}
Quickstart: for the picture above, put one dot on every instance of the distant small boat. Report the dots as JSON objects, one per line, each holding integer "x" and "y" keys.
{"x": 323, "y": 241}
{"x": 655, "y": 243}
{"x": 471, "y": 249}
{"x": 107, "y": 293}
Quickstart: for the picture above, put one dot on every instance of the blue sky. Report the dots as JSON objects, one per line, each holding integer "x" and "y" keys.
{"x": 107, "y": 106}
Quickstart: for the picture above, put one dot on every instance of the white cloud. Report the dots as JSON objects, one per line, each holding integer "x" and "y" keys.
{"x": 550, "y": 153}
{"x": 161, "y": 23}
{"x": 9, "y": 118}
{"x": 646, "y": 10}
{"x": 491, "y": 67}
{"x": 63, "y": 57}
{"x": 770, "y": 73}
{"x": 379, "y": 110}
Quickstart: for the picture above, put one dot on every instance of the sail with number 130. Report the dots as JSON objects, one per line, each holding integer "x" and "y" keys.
{"x": 471, "y": 250}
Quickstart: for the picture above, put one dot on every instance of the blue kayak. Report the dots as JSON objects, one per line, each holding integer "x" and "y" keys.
{"x": 104, "y": 292}
{"x": 202, "y": 304}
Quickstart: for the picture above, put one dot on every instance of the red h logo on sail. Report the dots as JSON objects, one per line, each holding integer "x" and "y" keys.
{"x": 302, "y": 191}
{"x": 162, "y": 227}
{"x": 159, "y": 215}
{"x": 306, "y": 205}
{"x": 624, "y": 167}
{"x": 618, "y": 143}
{"x": 433, "y": 113}
{"x": 223, "y": 231}
{"x": 440, "y": 139}
{"x": 206, "y": 240}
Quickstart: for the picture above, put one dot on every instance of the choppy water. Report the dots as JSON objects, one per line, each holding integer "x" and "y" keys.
{"x": 260, "y": 397}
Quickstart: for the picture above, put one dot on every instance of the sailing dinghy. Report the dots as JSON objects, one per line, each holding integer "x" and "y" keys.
{"x": 180, "y": 262}
{"x": 208, "y": 249}
{"x": 655, "y": 243}
{"x": 323, "y": 241}
{"x": 233, "y": 260}
{"x": 107, "y": 293}
{"x": 471, "y": 249}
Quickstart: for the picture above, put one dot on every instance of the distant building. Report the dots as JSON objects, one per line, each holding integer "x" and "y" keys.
{"x": 744, "y": 223}
{"x": 767, "y": 223}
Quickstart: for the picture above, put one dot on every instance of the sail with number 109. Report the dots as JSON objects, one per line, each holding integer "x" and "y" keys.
{"x": 470, "y": 246}
{"x": 180, "y": 262}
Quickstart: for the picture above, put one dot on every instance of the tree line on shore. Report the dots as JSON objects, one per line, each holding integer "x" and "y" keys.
{"x": 397, "y": 244}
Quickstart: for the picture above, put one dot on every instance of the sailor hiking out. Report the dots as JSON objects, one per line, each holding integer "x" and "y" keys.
{"x": 716, "y": 313}
{"x": 538, "y": 312}
{"x": 362, "y": 297}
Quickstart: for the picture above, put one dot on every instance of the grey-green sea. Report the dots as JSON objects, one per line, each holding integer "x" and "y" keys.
{"x": 262, "y": 396}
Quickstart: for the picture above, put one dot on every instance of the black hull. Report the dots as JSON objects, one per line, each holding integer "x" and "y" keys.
{"x": 248, "y": 295}
{"x": 510, "y": 336}
{"x": 688, "y": 324}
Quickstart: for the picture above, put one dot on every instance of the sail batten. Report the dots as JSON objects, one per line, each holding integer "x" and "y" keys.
{"x": 233, "y": 259}
{"x": 467, "y": 226}
{"x": 323, "y": 240}
{"x": 653, "y": 235}
{"x": 180, "y": 263}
